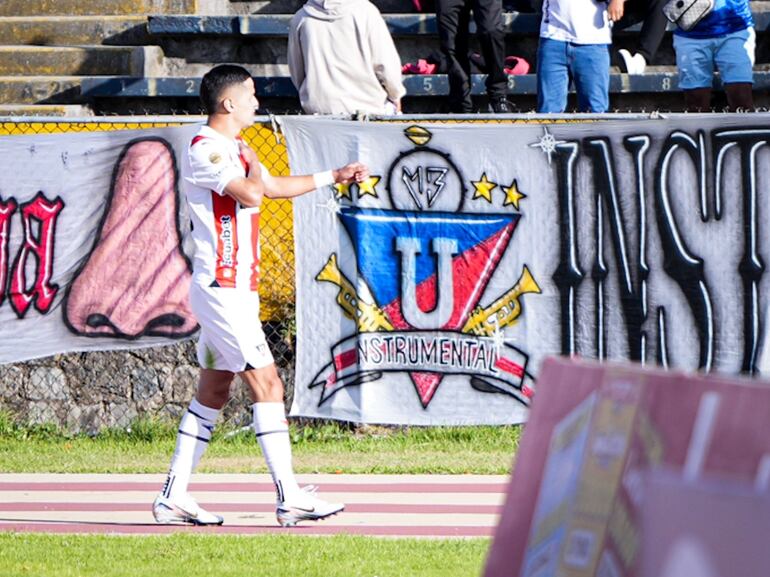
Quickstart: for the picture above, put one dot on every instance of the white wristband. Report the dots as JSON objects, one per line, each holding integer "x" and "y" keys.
{"x": 321, "y": 179}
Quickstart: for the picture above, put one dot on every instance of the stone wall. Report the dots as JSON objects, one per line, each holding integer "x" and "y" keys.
{"x": 87, "y": 392}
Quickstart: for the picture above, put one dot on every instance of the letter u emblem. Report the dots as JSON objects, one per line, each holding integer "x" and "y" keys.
{"x": 444, "y": 249}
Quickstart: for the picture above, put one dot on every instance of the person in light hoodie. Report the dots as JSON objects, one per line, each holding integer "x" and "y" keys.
{"x": 342, "y": 59}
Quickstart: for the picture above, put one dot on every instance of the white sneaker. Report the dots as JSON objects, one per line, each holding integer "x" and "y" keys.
{"x": 182, "y": 510}
{"x": 634, "y": 64}
{"x": 305, "y": 506}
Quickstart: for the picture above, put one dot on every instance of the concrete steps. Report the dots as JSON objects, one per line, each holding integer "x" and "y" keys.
{"x": 80, "y": 60}
{"x": 39, "y": 90}
{"x": 65, "y": 110}
{"x": 74, "y": 30}
{"x": 96, "y": 7}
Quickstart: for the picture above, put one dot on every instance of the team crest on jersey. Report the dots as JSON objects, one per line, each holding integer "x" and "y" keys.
{"x": 424, "y": 259}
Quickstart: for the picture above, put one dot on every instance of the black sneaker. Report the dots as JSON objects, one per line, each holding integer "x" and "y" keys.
{"x": 500, "y": 105}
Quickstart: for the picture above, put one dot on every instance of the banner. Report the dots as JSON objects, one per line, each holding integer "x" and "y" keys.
{"x": 92, "y": 252}
{"x": 588, "y": 491}
{"x": 431, "y": 293}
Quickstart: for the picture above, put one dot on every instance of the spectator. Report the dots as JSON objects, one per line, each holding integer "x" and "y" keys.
{"x": 626, "y": 13}
{"x": 453, "y": 18}
{"x": 342, "y": 59}
{"x": 575, "y": 37}
{"x": 725, "y": 37}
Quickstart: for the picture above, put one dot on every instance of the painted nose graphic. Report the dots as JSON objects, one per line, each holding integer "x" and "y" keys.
{"x": 137, "y": 279}
{"x": 444, "y": 249}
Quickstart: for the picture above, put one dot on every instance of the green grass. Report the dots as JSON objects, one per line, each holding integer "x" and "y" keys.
{"x": 146, "y": 447}
{"x": 25, "y": 555}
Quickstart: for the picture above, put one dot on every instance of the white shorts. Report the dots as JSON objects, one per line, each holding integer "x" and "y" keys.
{"x": 231, "y": 337}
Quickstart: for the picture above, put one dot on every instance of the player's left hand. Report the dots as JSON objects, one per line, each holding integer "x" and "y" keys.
{"x": 353, "y": 172}
{"x": 248, "y": 153}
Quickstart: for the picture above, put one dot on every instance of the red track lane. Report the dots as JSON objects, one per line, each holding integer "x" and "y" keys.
{"x": 257, "y": 507}
{"x": 420, "y": 488}
{"x": 317, "y": 529}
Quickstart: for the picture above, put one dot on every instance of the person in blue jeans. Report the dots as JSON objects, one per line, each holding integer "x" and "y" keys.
{"x": 725, "y": 38}
{"x": 575, "y": 38}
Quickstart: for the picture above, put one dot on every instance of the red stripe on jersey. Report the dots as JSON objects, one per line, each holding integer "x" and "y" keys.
{"x": 244, "y": 162}
{"x": 225, "y": 224}
{"x": 254, "y": 282}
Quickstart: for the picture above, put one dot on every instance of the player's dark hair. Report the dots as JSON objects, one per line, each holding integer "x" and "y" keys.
{"x": 216, "y": 80}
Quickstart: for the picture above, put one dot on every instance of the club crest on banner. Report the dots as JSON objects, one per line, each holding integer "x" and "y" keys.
{"x": 425, "y": 254}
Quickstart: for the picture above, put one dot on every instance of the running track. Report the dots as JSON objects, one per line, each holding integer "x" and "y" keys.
{"x": 383, "y": 505}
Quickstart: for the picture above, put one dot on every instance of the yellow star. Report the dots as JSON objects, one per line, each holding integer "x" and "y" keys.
{"x": 343, "y": 191}
{"x": 367, "y": 186}
{"x": 483, "y": 188}
{"x": 512, "y": 195}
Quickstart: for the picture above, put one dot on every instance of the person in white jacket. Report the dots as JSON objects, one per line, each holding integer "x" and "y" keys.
{"x": 342, "y": 59}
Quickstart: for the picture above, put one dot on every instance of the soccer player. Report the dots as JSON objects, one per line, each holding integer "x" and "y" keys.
{"x": 224, "y": 184}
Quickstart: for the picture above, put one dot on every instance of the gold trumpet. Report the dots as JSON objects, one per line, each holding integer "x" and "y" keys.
{"x": 368, "y": 316}
{"x": 504, "y": 311}
{"x": 346, "y": 297}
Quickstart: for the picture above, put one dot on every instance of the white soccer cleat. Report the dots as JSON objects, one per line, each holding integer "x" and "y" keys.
{"x": 182, "y": 510}
{"x": 305, "y": 506}
{"x": 635, "y": 64}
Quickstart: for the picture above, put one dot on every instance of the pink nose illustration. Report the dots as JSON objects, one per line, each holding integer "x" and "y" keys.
{"x": 137, "y": 278}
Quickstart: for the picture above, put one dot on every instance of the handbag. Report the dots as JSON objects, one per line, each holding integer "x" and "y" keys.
{"x": 687, "y": 13}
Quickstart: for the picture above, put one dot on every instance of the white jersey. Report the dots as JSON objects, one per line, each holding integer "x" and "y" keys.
{"x": 576, "y": 21}
{"x": 226, "y": 235}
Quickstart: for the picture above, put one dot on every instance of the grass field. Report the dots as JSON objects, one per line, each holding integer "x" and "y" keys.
{"x": 326, "y": 448}
{"x": 236, "y": 556}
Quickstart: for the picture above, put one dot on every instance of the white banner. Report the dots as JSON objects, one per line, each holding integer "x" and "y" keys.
{"x": 91, "y": 251}
{"x": 431, "y": 293}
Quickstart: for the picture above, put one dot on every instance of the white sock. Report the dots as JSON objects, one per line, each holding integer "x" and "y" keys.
{"x": 272, "y": 430}
{"x": 191, "y": 442}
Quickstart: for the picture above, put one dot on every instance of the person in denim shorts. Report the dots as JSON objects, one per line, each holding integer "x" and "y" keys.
{"x": 725, "y": 37}
{"x": 575, "y": 39}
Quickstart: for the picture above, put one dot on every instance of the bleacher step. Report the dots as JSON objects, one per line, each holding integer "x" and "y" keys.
{"x": 96, "y": 7}
{"x": 40, "y": 89}
{"x": 408, "y": 24}
{"x": 58, "y": 110}
{"x": 74, "y": 30}
{"x": 665, "y": 80}
{"x": 287, "y": 6}
{"x": 84, "y": 60}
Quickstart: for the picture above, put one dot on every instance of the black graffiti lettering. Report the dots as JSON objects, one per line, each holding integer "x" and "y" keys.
{"x": 679, "y": 262}
{"x": 662, "y": 357}
{"x": 630, "y": 297}
{"x": 751, "y": 267}
{"x": 637, "y": 146}
{"x": 567, "y": 275}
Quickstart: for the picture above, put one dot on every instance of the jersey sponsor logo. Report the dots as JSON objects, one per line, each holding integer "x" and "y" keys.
{"x": 226, "y": 238}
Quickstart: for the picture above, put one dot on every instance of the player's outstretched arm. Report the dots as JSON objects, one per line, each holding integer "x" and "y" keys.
{"x": 291, "y": 186}
{"x": 249, "y": 191}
